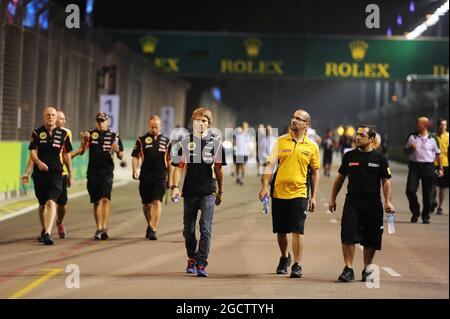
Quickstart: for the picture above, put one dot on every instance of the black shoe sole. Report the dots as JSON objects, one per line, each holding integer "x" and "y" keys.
{"x": 346, "y": 280}
{"x": 282, "y": 272}
{"x": 296, "y": 275}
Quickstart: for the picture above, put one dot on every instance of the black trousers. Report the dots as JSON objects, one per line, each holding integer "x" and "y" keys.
{"x": 417, "y": 172}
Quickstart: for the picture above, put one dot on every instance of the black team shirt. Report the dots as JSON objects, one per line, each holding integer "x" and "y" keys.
{"x": 153, "y": 150}
{"x": 199, "y": 155}
{"x": 365, "y": 171}
{"x": 100, "y": 157}
{"x": 49, "y": 148}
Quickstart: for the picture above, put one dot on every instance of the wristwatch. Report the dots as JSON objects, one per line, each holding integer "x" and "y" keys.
{"x": 172, "y": 187}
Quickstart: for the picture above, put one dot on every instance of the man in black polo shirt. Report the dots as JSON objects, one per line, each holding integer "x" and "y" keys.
{"x": 102, "y": 144}
{"x": 362, "y": 216}
{"x": 152, "y": 149}
{"x": 202, "y": 156}
{"x": 47, "y": 144}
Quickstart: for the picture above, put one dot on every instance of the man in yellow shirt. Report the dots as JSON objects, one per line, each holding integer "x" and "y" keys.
{"x": 443, "y": 181}
{"x": 293, "y": 154}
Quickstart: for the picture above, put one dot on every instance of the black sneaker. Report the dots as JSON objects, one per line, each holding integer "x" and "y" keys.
{"x": 426, "y": 221}
{"x": 98, "y": 234}
{"x": 284, "y": 264}
{"x": 152, "y": 235}
{"x": 296, "y": 271}
{"x": 147, "y": 232}
{"x": 41, "y": 236}
{"x": 104, "y": 235}
{"x": 414, "y": 219}
{"x": 347, "y": 275}
{"x": 440, "y": 211}
{"x": 47, "y": 239}
{"x": 366, "y": 275}
{"x": 433, "y": 207}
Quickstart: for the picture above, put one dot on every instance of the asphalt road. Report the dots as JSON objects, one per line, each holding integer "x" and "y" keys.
{"x": 414, "y": 262}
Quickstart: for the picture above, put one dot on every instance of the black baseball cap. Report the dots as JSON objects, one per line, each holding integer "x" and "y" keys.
{"x": 101, "y": 116}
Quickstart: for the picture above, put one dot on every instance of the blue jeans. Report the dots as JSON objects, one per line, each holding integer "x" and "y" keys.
{"x": 191, "y": 206}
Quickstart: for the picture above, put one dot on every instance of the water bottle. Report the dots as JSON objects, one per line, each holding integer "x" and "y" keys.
{"x": 390, "y": 217}
{"x": 176, "y": 198}
{"x": 265, "y": 205}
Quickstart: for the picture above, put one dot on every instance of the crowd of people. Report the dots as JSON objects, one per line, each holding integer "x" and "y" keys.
{"x": 289, "y": 167}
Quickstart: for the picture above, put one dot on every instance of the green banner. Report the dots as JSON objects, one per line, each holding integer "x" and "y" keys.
{"x": 207, "y": 54}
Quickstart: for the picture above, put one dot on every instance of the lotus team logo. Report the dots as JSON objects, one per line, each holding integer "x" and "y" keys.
{"x": 149, "y": 44}
{"x": 43, "y": 135}
{"x": 94, "y": 135}
{"x": 358, "y": 48}
{"x": 252, "y": 47}
{"x": 191, "y": 146}
{"x": 148, "y": 140}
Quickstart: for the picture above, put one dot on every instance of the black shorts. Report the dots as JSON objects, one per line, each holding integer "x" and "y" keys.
{"x": 327, "y": 157}
{"x": 289, "y": 215}
{"x": 443, "y": 181}
{"x": 151, "y": 190}
{"x": 47, "y": 187}
{"x": 362, "y": 222}
{"x": 62, "y": 199}
{"x": 99, "y": 187}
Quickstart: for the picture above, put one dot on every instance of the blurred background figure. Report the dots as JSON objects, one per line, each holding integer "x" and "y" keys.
{"x": 328, "y": 147}
{"x": 241, "y": 141}
{"x": 385, "y": 145}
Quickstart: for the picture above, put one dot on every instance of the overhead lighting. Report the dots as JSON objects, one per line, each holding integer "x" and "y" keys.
{"x": 399, "y": 20}
{"x": 431, "y": 20}
{"x": 412, "y": 6}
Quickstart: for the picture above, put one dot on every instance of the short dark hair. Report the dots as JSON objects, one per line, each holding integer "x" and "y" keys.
{"x": 372, "y": 132}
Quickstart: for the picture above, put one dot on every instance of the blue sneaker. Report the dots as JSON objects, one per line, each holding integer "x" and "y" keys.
{"x": 190, "y": 269}
{"x": 201, "y": 271}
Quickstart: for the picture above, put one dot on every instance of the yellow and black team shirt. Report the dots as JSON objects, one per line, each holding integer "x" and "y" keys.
{"x": 153, "y": 152}
{"x": 199, "y": 157}
{"x": 293, "y": 158}
{"x": 50, "y": 146}
{"x": 443, "y": 145}
{"x": 100, "y": 153}
{"x": 69, "y": 134}
{"x": 365, "y": 171}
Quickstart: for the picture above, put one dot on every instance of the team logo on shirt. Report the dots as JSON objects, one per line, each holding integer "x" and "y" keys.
{"x": 43, "y": 136}
{"x": 94, "y": 135}
{"x": 148, "y": 140}
{"x": 374, "y": 165}
{"x": 191, "y": 146}
{"x": 353, "y": 164}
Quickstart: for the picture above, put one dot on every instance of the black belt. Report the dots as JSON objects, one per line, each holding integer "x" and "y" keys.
{"x": 422, "y": 163}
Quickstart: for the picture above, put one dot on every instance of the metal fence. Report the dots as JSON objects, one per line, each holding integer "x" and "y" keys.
{"x": 61, "y": 67}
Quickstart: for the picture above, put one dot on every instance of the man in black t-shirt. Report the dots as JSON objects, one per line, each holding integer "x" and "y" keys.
{"x": 102, "y": 144}
{"x": 47, "y": 145}
{"x": 152, "y": 149}
{"x": 202, "y": 156}
{"x": 362, "y": 217}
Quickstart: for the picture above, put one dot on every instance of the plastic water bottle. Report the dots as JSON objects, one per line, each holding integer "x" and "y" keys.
{"x": 265, "y": 205}
{"x": 390, "y": 218}
{"x": 176, "y": 198}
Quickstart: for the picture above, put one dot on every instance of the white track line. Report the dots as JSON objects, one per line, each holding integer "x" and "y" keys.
{"x": 35, "y": 206}
{"x": 391, "y": 272}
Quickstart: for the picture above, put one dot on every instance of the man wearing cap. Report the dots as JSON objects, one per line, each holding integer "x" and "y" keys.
{"x": 423, "y": 150}
{"x": 102, "y": 144}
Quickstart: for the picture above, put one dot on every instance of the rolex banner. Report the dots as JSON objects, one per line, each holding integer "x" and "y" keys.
{"x": 207, "y": 54}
